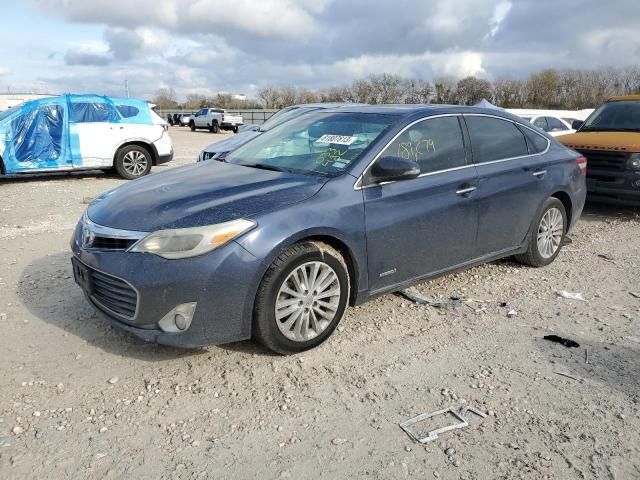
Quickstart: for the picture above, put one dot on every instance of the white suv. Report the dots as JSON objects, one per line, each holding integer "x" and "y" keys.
{"x": 83, "y": 132}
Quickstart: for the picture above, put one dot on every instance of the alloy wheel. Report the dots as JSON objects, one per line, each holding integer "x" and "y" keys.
{"x": 307, "y": 301}
{"x": 550, "y": 232}
{"x": 135, "y": 162}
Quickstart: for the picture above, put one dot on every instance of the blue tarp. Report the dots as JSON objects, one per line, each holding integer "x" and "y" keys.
{"x": 39, "y": 135}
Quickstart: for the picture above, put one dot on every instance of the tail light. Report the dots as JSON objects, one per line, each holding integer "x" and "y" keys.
{"x": 582, "y": 163}
{"x": 222, "y": 118}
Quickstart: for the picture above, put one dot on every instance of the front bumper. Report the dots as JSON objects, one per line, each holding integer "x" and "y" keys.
{"x": 614, "y": 186}
{"x": 223, "y": 283}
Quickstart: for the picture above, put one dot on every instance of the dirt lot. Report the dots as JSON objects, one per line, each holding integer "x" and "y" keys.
{"x": 79, "y": 399}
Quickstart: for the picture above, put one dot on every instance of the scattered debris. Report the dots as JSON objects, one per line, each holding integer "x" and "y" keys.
{"x": 562, "y": 341}
{"x": 415, "y": 296}
{"x": 634, "y": 294}
{"x": 568, "y": 375}
{"x": 607, "y": 257}
{"x": 458, "y": 414}
{"x": 113, "y": 380}
{"x": 512, "y": 313}
{"x": 87, "y": 200}
{"x": 586, "y": 355}
{"x": 571, "y": 295}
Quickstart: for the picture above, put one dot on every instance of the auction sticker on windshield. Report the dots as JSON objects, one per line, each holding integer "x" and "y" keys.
{"x": 336, "y": 139}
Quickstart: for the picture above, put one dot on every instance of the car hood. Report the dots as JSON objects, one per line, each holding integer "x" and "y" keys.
{"x": 201, "y": 194}
{"x": 231, "y": 143}
{"x": 619, "y": 141}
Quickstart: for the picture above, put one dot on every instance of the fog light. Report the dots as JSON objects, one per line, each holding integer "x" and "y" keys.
{"x": 180, "y": 321}
{"x": 179, "y": 318}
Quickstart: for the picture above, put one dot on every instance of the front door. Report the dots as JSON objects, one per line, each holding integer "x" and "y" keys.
{"x": 38, "y": 138}
{"x": 427, "y": 224}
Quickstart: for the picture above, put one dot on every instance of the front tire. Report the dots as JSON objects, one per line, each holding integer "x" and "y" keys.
{"x": 301, "y": 299}
{"x": 214, "y": 128}
{"x": 547, "y": 235}
{"x": 192, "y": 126}
{"x": 133, "y": 162}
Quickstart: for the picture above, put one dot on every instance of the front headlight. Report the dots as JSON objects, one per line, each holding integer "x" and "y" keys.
{"x": 189, "y": 242}
{"x": 634, "y": 161}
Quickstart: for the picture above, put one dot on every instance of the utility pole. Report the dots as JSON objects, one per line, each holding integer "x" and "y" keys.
{"x": 126, "y": 86}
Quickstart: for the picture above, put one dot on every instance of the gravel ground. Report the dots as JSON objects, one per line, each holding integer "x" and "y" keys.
{"x": 79, "y": 399}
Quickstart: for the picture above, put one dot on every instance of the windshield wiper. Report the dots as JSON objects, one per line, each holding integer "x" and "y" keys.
{"x": 605, "y": 129}
{"x": 264, "y": 167}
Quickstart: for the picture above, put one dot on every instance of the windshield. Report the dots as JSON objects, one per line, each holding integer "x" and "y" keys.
{"x": 318, "y": 143}
{"x": 284, "y": 115}
{"x": 615, "y": 116}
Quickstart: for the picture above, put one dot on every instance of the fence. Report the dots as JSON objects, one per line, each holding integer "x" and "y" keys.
{"x": 248, "y": 116}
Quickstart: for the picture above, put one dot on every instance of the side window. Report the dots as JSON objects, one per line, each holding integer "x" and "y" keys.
{"x": 495, "y": 139}
{"x": 92, "y": 112}
{"x": 436, "y": 144}
{"x": 127, "y": 111}
{"x": 38, "y": 135}
{"x": 536, "y": 143}
{"x": 555, "y": 125}
{"x": 541, "y": 122}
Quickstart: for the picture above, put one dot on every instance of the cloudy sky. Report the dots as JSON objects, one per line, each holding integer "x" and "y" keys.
{"x": 238, "y": 46}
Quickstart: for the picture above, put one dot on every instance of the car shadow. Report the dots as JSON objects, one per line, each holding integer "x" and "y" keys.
{"x": 610, "y": 365}
{"x": 33, "y": 177}
{"x": 597, "y": 212}
{"x": 47, "y": 289}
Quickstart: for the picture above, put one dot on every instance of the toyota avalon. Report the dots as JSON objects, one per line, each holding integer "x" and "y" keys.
{"x": 324, "y": 211}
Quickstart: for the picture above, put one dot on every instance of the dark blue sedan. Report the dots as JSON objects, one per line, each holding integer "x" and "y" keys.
{"x": 325, "y": 211}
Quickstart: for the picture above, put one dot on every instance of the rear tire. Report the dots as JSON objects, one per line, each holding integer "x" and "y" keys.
{"x": 308, "y": 285}
{"x": 192, "y": 126}
{"x": 235, "y": 129}
{"x": 133, "y": 162}
{"x": 214, "y": 128}
{"x": 547, "y": 235}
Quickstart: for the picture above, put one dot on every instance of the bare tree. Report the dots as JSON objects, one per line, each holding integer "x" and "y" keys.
{"x": 509, "y": 93}
{"x": 165, "y": 98}
{"x": 445, "y": 90}
{"x": 471, "y": 90}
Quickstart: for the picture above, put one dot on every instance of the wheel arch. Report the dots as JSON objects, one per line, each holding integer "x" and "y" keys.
{"x": 565, "y": 198}
{"x": 331, "y": 238}
{"x": 150, "y": 147}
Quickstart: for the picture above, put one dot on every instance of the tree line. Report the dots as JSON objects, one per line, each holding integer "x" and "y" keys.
{"x": 569, "y": 89}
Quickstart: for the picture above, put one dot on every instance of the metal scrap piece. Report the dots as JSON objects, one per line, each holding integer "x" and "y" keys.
{"x": 458, "y": 413}
{"x": 415, "y": 296}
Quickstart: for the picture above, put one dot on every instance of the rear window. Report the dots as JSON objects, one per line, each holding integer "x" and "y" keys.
{"x": 128, "y": 111}
{"x": 495, "y": 139}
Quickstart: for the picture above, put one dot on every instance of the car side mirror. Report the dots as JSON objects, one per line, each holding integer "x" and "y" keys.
{"x": 388, "y": 169}
{"x": 576, "y": 124}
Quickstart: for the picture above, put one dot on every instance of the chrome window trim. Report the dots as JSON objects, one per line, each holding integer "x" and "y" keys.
{"x": 358, "y": 183}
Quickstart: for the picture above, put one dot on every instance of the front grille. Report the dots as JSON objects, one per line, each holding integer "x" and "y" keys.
{"x": 111, "y": 243}
{"x": 114, "y": 294}
{"x": 604, "y": 160}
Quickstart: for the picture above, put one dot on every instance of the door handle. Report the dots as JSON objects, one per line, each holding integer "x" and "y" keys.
{"x": 539, "y": 173}
{"x": 466, "y": 190}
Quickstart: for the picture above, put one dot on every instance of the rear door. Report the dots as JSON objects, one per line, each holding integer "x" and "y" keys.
{"x": 94, "y": 132}
{"x": 427, "y": 224}
{"x": 512, "y": 182}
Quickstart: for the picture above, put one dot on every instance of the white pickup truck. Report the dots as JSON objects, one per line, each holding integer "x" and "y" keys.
{"x": 214, "y": 120}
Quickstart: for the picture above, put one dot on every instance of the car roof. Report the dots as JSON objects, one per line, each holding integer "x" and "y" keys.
{"x": 426, "y": 109}
{"x": 618, "y": 98}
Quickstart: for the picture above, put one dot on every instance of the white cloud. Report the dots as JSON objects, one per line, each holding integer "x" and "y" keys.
{"x": 4, "y": 71}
